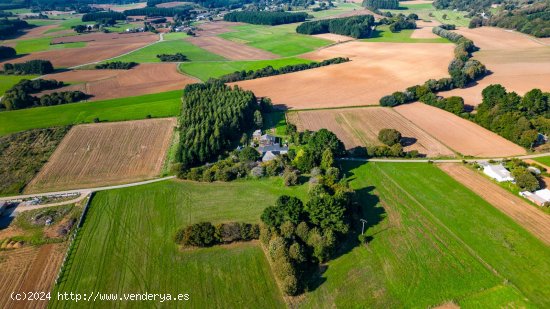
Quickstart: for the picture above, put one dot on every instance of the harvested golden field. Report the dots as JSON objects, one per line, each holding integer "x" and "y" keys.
{"x": 458, "y": 134}
{"x": 517, "y": 61}
{"x": 109, "y": 84}
{"x": 29, "y": 269}
{"x": 360, "y": 127}
{"x": 215, "y": 28}
{"x": 424, "y": 30}
{"x": 230, "y": 49}
{"x": 101, "y": 47}
{"x": 532, "y": 219}
{"x": 375, "y": 70}
{"x": 93, "y": 155}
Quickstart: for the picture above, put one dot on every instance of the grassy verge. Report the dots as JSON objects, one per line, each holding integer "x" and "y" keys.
{"x": 149, "y": 53}
{"x": 543, "y": 160}
{"x": 166, "y": 104}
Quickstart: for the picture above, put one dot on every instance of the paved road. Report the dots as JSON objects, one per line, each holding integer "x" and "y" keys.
{"x": 87, "y": 190}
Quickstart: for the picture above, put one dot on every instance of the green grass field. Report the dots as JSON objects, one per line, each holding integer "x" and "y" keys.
{"x": 166, "y": 104}
{"x": 424, "y": 10}
{"x": 126, "y": 245}
{"x": 436, "y": 242}
{"x": 7, "y": 81}
{"x": 339, "y": 9}
{"x": 66, "y": 24}
{"x": 43, "y": 44}
{"x": 383, "y": 34}
{"x": 206, "y": 70}
{"x": 281, "y": 40}
{"x": 543, "y": 160}
{"x": 149, "y": 53}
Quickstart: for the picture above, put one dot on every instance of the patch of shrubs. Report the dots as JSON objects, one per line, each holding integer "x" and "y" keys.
{"x": 116, "y": 65}
{"x": 205, "y": 234}
{"x": 400, "y": 22}
{"x": 40, "y": 67}
{"x": 19, "y": 96}
{"x": 178, "y": 57}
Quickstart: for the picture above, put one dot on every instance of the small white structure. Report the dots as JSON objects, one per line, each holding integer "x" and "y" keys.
{"x": 497, "y": 171}
{"x": 533, "y": 170}
{"x": 256, "y": 135}
{"x": 540, "y": 197}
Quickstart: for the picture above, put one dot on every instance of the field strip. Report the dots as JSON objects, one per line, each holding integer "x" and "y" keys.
{"x": 532, "y": 219}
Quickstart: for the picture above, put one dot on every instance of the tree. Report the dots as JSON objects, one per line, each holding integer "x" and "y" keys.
{"x": 290, "y": 178}
{"x": 198, "y": 234}
{"x": 80, "y": 28}
{"x": 327, "y": 212}
{"x": 389, "y": 137}
{"x": 525, "y": 180}
{"x": 327, "y": 160}
{"x": 249, "y": 154}
{"x": 7, "y": 52}
{"x": 258, "y": 119}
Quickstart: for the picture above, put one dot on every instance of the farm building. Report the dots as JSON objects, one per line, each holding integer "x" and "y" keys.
{"x": 497, "y": 171}
{"x": 540, "y": 197}
{"x": 270, "y": 155}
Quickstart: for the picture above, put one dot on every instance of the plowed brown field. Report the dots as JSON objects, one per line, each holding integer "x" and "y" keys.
{"x": 229, "y": 49}
{"x": 376, "y": 69}
{"x": 517, "y": 61}
{"x": 532, "y": 219}
{"x": 360, "y": 127}
{"x": 102, "y": 46}
{"x": 108, "y": 84}
{"x": 29, "y": 269}
{"x": 457, "y": 133}
{"x": 93, "y": 155}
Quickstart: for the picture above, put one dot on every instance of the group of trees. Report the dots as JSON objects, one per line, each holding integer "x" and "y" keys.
{"x": 116, "y": 65}
{"x": 516, "y": 118}
{"x": 177, "y": 57}
{"x": 354, "y": 26}
{"x": 97, "y": 16}
{"x": 214, "y": 116}
{"x": 265, "y": 17}
{"x": 400, "y": 22}
{"x": 154, "y": 11}
{"x": 381, "y": 4}
{"x": 298, "y": 236}
{"x": 392, "y": 146}
{"x": 205, "y": 234}
{"x": 523, "y": 177}
{"x": 270, "y": 71}
{"x": 8, "y": 27}
{"x": 39, "y": 67}
{"x": 7, "y": 52}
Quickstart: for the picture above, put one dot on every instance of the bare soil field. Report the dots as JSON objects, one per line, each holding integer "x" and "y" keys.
{"x": 424, "y": 30}
{"x": 517, "y": 61}
{"x": 458, "y": 134}
{"x": 109, "y": 84}
{"x": 360, "y": 127}
{"x": 362, "y": 81}
{"x": 101, "y": 154}
{"x": 29, "y": 269}
{"x": 334, "y": 37}
{"x": 103, "y": 46}
{"x": 229, "y": 49}
{"x": 215, "y": 28}
{"x": 534, "y": 220}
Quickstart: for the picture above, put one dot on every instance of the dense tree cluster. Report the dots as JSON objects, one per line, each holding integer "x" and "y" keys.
{"x": 116, "y": 65}
{"x": 12, "y": 4}
{"x": 400, "y": 22}
{"x": 298, "y": 236}
{"x": 95, "y": 16}
{"x": 214, "y": 116}
{"x": 354, "y": 26}
{"x": 7, "y": 52}
{"x": 464, "y": 5}
{"x": 40, "y": 67}
{"x": 317, "y": 148}
{"x": 177, "y": 57}
{"x": 516, "y": 118}
{"x": 205, "y": 234}
{"x": 36, "y": 85}
{"x": 265, "y": 17}
{"x": 8, "y": 27}
{"x": 154, "y": 11}
{"x": 270, "y": 71}
{"x": 392, "y": 148}
{"x": 19, "y": 96}
{"x": 381, "y": 4}
{"x": 525, "y": 180}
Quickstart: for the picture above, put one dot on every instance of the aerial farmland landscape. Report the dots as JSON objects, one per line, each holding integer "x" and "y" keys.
{"x": 275, "y": 154}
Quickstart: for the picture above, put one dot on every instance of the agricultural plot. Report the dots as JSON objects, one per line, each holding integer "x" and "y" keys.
{"x": 110, "y": 258}
{"x": 165, "y": 104}
{"x": 516, "y": 61}
{"x": 23, "y": 154}
{"x": 340, "y": 8}
{"x": 43, "y": 44}
{"x": 95, "y": 155}
{"x": 426, "y": 11}
{"x": 532, "y": 219}
{"x": 360, "y": 127}
{"x": 383, "y": 34}
{"x": 7, "y": 81}
{"x": 457, "y": 133}
{"x": 362, "y": 81}
{"x": 109, "y": 84}
{"x": 433, "y": 242}
{"x": 229, "y": 49}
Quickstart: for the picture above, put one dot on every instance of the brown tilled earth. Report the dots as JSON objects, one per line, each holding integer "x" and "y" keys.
{"x": 334, "y": 37}
{"x": 532, "y": 219}
{"x": 375, "y": 70}
{"x": 360, "y": 127}
{"x": 424, "y": 30}
{"x": 517, "y": 61}
{"x": 109, "y": 84}
{"x": 215, "y": 28}
{"x": 93, "y": 155}
{"x": 103, "y": 46}
{"x": 457, "y": 133}
{"x": 229, "y": 49}
{"x": 29, "y": 269}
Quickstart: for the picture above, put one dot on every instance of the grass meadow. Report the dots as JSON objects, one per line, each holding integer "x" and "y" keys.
{"x": 165, "y": 104}
{"x": 149, "y": 53}
{"x": 7, "y": 81}
{"x": 281, "y": 40}
{"x": 126, "y": 245}
{"x": 425, "y": 9}
{"x": 214, "y": 69}
{"x": 383, "y": 34}
{"x": 543, "y": 160}
{"x": 43, "y": 44}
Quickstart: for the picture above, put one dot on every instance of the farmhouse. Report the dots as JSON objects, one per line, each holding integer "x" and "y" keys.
{"x": 497, "y": 171}
{"x": 540, "y": 197}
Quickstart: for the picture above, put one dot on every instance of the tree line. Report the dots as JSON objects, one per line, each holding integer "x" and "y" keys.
{"x": 7, "y": 52}
{"x": 381, "y": 4}
{"x": 154, "y": 11}
{"x": 265, "y": 17}
{"x": 104, "y": 15}
{"x": 271, "y": 71}
{"x": 205, "y": 234}
{"x": 354, "y": 26}
{"x": 8, "y": 27}
{"x": 116, "y": 65}
{"x": 40, "y": 67}
{"x": 177, "y": 57}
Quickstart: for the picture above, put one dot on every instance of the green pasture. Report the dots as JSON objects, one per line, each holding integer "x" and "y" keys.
{"x": 383, "y": 34}
{"x": 43, "y": 44}
{"x": 339, "y": 9}
{"x": 543, "y": 160}
{"x": 427, "y": 12}
{"x": 7, "y": 81}
{"x": 67, "y": 24}
{"x": 149, "y": 53}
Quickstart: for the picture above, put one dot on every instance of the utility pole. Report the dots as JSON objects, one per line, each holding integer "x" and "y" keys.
{"x": 363, "y": 228}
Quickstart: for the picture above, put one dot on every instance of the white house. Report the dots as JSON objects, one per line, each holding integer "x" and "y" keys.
{"x": 540, "y": 197}
{"x": 497, "y": 171}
